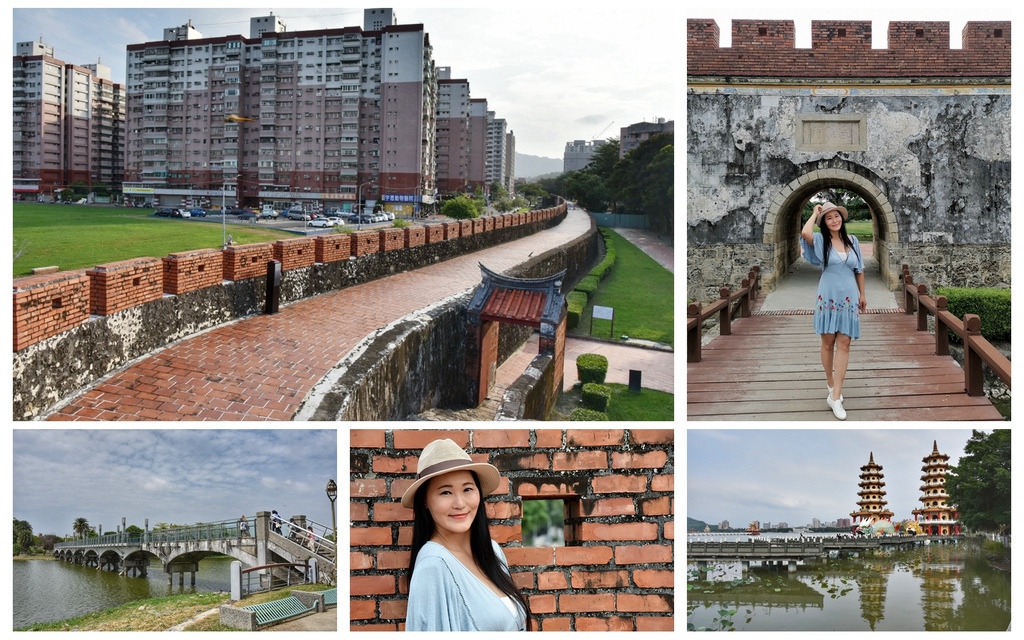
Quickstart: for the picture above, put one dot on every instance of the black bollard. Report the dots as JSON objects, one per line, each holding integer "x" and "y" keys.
{"x": 273, "y": 286}
{"x": 634, "y": 380}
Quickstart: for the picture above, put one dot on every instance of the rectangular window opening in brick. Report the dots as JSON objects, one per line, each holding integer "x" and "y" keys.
{"x": 202, "y": 268}
{"x": 544, "y": 522}
{"x": 136, "y": 281}
{"x": 57, "y": 303}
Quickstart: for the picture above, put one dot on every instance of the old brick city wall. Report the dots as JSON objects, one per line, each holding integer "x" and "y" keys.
{"x": 919, "y": 130}
{"x": 72, "y": 328}
{"x": 616, "y": 570}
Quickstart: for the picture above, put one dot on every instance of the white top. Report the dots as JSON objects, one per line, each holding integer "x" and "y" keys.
{"x": 511, "y": 606}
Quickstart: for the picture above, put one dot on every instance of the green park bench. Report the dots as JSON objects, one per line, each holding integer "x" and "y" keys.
{"x": 278, "y": 610}
{"x": 330, "y": 597}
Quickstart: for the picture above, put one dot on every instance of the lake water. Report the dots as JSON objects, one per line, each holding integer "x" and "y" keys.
{"x": 928, "y": 588}
{"x": 46, "y": 591}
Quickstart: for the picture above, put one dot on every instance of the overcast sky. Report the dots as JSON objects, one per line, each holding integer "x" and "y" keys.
{"x": 774, "y": 475}
{"x": 555, "y": 72}
{"x": 179, "y": 476}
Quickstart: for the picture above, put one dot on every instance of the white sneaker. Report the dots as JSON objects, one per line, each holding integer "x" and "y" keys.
{"x": 830, "y": 393}
{"x": 836, "y": 406}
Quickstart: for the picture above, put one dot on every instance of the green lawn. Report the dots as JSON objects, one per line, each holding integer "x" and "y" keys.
{"x": 83, "y": 236}
{"x": 640, "y": 291}
{"x": 861, "y": 229}
{"x": 646, "y": 406}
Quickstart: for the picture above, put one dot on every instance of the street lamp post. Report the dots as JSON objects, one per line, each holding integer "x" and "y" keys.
{"x": 332, "y": 493}
{"x": 359, "y": 206}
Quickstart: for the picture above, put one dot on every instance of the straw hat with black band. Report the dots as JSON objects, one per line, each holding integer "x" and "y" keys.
{"x": 444, "y": 456}
{"x": 828, "y": 206}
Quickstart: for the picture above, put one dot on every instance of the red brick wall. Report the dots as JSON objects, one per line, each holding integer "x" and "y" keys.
{"x": 192, "y": 270}
{"x": 499, "y": 222}
{"x": 247, "y": 260}
{"x": 415, "y": 236}
{"x": 488, "y": 223}
{"x": 616, "y": 570}
{"x": 47, "y": 305}
{"x": 478, "y": 225}
{"x": 365, "y": 242}
{"x": 117, "y": 286}
{"x": 332, "y": 247}
{"x": 842, "y": 49}
{"x": 392, "y": 239}
{"x": 451, "y": 229}
{"x": 435, "y": 233}
{"x": 465, "y": 227}
{"x": 294, "y": 253}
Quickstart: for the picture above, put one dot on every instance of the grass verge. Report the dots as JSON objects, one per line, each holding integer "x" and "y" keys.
{"x": 83, "y": 236}
{"x": 641, "y": 292}
{"x": 152, "y": 614}
{"x": 647, "y": 406}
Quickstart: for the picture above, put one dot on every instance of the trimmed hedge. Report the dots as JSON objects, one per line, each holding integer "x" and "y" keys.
{"x": 991, "y": 305}
{"x": 588, "y": 285}
{"x": 591, "y": 367}
{"x": 581, "y": 414}
{"x": 596, "y": 396}
{"x": 576, "y": 301}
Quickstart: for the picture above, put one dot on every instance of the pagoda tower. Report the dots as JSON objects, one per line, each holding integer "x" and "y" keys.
{"x": 936, "y": 517}
{"x": 872, "y": 496}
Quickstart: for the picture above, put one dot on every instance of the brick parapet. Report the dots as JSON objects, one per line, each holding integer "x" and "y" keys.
{"x": 434, "y": 233}
{"x": 465, "y": 228}
{"x": 245, "y": 261}
{"x": 415, "y": 236}
{"x": 48, "y": 305}
{"x": 843, "y": 49}
{"x": 295, "y": 253}
{"x": 191, "y": 270}
{"x": 392, "y": 239}
{"x": 451, "y": 229}
{"x": 117, "y": 286}
{"x": 332, "y": 247}
{"x": 365, "y": 242}
{"x": 616, "y": 567}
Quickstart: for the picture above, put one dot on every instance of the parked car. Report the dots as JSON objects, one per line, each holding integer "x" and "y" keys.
{"x": 294, "y": 214}
{"x": 268, "y": 212}
{"x": 181, "y": 213}
{"x": 248, "y": 215}
{"x": 198, "y": 212}
{"x": 166, "y": 212}
{"x": 326, "y": 222}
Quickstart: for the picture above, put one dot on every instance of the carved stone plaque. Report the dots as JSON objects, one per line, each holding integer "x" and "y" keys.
{"x": 826, "y": 132}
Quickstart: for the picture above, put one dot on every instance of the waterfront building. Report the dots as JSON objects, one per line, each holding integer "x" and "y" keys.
{"x": 316, "y": 118}
{"x": 872, "y": 503}
{"x": 68, "y": 123}
{"x": 630, "y": 137}
{"x": 936, "y": 517}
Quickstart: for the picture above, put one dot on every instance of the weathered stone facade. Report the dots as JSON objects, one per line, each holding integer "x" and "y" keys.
{"x": 929, "y": 153}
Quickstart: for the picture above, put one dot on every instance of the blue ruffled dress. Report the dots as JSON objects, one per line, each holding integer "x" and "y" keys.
{"x": 837, "y": 308}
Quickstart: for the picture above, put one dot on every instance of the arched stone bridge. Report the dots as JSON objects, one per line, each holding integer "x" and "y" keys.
{"x": 180, "y": 550}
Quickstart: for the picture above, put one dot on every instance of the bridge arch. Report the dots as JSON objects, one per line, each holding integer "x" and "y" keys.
{"x": 782, "y": 222}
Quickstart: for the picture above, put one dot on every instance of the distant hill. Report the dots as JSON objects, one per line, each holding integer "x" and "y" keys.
{"x": 693, "y": 524}
{"x": 528, "y": 166}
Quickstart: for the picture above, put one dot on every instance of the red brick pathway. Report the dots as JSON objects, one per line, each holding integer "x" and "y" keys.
{"x": 261, "y": 368}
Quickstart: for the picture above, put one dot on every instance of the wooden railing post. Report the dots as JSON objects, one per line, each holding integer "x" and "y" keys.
{"x": 941, "y": 330}
{"x": 908, "y": 296}
{"x": 725, "y": 315}
{"x": 974, "y": 377}
{"x": 922, "y": 311}
{"x": 693, "y": 333}
{"x": 748, "y": 284}
{"x": 755, "y": 282}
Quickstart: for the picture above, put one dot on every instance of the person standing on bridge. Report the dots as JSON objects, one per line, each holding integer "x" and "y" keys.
{"x": 841, "y": 296}
{"x": 459, "y": 579}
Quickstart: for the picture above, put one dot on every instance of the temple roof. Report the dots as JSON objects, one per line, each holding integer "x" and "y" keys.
{"x": 519, "y": 300}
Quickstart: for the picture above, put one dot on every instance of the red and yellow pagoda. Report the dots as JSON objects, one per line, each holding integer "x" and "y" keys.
{"x": 872, "y": 497}
{"x": 936, "y": 517}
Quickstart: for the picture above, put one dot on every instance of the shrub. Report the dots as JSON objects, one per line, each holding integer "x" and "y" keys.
{"x": 581, "y": 414}
{"x": 588, "y": 286}
{"x": 399, "y": 223}
{"x": 991, "y": 305}
{"x": 591, "y": 367}
{"x": 576, "y": 301}
{"x": 596, "y": 396}
{"x": 460, "y": 208}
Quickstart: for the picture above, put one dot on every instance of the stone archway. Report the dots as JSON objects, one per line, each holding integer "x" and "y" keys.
{"x": 782, "y": 224}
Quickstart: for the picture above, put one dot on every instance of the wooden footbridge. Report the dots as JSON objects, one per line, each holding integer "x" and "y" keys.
{"x": 767, "y": 366}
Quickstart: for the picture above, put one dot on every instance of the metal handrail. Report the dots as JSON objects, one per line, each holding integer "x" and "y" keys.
{"x": 301, "y": 536}
{"x": 267, "y": 571}
{"x": 220, "y": 530}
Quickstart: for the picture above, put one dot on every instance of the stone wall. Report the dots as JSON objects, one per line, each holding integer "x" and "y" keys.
{"x": 70, "y": 349}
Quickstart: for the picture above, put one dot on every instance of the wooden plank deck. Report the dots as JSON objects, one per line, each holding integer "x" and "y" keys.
{"x": 770, "y": 369}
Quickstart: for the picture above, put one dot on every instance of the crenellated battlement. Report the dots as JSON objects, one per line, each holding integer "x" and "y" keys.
{"x": 842, "y": 49}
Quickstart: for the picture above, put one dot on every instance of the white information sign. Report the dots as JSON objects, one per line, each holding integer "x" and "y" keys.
{"x": 604, "y": 313}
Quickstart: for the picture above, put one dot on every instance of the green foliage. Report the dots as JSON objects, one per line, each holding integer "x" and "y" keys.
{"x": 576, "y": 302}
{"x": 979, "y": 484}
{"x": 540, "y": 516}
{"x": 591, "y": 367}
{"x": 648, "y": 405}
{"x": 398, "y": 223}
{"x": 595, "y": 396}
{"x": 588, "y": 285}
{"x": 853, "y": 203}
{"x": 23, "y": 536}
{"x": 644, "y": 182}
{"x": 603, "y": 267}
{"x": 991, "y": 305}
{"x": 460, "y": 208}
{"x": 586, "y": 415}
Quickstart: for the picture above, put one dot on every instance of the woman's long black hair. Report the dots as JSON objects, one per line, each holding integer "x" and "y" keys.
{"x": 479, "y": 542}
{"x": 826, "y": 236}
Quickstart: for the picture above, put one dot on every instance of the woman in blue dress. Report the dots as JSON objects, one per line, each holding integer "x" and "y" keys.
{"x": 841, "y": 296}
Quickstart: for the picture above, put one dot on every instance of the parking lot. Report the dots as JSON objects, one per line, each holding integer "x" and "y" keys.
{"x": 284, "y": 224}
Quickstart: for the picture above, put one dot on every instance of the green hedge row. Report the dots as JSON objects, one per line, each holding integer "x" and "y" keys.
{"x": 991, "y": 305}
{"x": 576, "y": 301}
{"x": 580, "y": 414}
{"x": 591, "y": 367}
{"x": 596, "y": 396}
{"x": 589, "y": 283}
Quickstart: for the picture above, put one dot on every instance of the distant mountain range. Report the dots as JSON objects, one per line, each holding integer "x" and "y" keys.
{"x": 529, "y": 167}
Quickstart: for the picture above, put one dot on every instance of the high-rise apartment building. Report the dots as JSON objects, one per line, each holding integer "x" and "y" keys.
{"x": 453, "y": 138}
{"x": 68, "y": 123}
{"x": 478, "y": 129}
{"x": 313, "y": 117}
{"x": 579, "y": 153}
{"x": 495, "y": 160}
{"x": 630, "y": 137}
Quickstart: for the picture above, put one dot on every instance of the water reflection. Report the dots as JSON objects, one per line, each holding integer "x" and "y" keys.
{"x": 931, "y": 588}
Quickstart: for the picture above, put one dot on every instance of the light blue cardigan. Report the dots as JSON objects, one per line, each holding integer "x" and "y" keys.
{"x": 445, "y": 596}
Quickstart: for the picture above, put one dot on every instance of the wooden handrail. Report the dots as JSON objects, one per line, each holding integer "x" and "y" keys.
{"x": 977, "y": 349}
{"x": 696, "y": 314}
